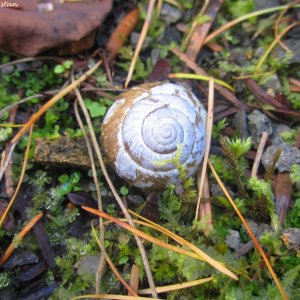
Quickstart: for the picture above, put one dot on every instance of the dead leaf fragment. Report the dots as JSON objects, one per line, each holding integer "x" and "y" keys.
{"x": 29, "y": 31}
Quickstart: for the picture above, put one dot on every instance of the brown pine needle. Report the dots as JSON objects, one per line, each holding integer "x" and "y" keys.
{"x": 53, "y": 100}
{"x": 273, "y": 44}
{"x": 141, "y": 40}
{"x": 243, "y": 18}
{"x": 115, "y": 193}
{"x": 178, "y": 286}
{"x": 255, "y": 241}
{"x": 197, "y": 253}
{"x": 111, "y": 264}
{"x": 209, "y": 126}
{"x": 111, "y": 296}
{"x": 277, "y": 23}
{"x": 19, "y": 238}
{"x": 20, "y": 179}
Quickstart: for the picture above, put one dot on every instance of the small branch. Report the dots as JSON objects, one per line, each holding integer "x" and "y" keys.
{"x": 259, "y": 153}
{"x": 209, "y": 125}
{"x": 255, "y": 241}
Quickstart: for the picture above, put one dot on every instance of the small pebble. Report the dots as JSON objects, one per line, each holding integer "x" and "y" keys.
{"x": 233, "y": 239}
{"x": 170, "y": 14}
{"x": 258, "y": 123}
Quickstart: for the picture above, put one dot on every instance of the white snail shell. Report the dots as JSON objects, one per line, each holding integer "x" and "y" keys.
{"x": 145, "y": 126}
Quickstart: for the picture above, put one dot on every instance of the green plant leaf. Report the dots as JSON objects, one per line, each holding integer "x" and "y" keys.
{"x": 59, "y": 69}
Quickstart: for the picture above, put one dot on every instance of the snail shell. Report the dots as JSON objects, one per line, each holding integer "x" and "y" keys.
{"x": 145, "y": 126}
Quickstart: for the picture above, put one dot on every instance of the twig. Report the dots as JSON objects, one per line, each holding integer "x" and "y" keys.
{"x": 205, "y": 209}
{"x": 141, "y": 40}
{"x": 115, "y": 193}
{"x": 255, "y": 241}
{"x": 102, "y": 265}
{"x": 223, "y": 91}
{"x": 259, "y": 153}
{"x": 209, "y": 125}
{"x": 27, "y": 59}
{"x": 6, "y": 157}
{"x": 201, "y": 30}
{"x": 225, "y": 113}
{"x": 9, "y": 183}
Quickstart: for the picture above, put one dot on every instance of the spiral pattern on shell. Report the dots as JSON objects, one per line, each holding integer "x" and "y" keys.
{"x": 145, "y": 127}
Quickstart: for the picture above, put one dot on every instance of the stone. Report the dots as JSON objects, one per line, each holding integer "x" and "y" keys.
{"x": 258, "y": 123}
{"x": 273, "y": 84}
{"x": 233, "y": 239}
{"x": 291, "y": 238}
{"x": 23, "y": 67}
{"x": 290, "y": 155}
{"x": 294, "y": 46}
{"x": 63, "y": 151}
{"x": 239, "y": 122}
{"x": 20, "y": 258}
{"x": 170, "y": 35}
{"x": 217, "y": 191}
{"x": 7, "y": 70}
{"x": 253, "y": 226}
{"x": 170, "y": 14}
{"x": 134, "y": 38}
{"x": 135, "y": 199}
{"x": 266, "y": 4}
{"x": 88, "y": 264}
{"x": 154, "y": 56}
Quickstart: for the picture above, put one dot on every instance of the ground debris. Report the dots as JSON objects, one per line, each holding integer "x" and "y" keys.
{"x": 38, "y": 31}
{"x": 64, "y": 151}
{"x": 291, "y": 238}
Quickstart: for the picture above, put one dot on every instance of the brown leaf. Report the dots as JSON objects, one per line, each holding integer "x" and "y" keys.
{"x": 283, "y": 190}
{"x": 30, "y": 31}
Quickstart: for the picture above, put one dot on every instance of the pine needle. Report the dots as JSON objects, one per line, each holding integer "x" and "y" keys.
{"x": 255, "y": 241}
{"x": 141, "y": 40}
{"x": 178, "y": 286}
{"x": 209, "y": 126}
{"x": 53, "y": 100}
{"x": 20, "y": 179}
{"x": 16, "y": 241}
{"x": 243, "y": 18}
